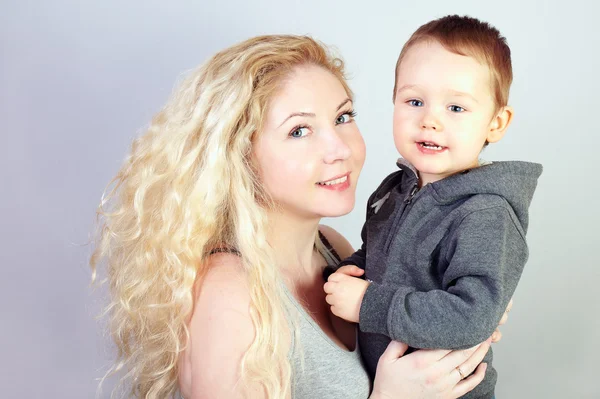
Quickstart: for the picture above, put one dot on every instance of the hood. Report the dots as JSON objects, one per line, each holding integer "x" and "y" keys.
{"x": 515, "y": 181}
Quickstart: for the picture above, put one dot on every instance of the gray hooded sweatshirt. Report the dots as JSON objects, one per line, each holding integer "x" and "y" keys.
{"x": 443, "y": 260}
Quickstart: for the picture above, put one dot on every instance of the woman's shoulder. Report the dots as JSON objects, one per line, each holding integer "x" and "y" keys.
{"x": 220, "y": 330}
{"x": 222, "y": 302}
{"x": 339, "y": 243}
{"x": 223, "y": 285}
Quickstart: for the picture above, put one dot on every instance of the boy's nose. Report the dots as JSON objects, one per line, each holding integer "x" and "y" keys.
{"x": 430, "y": 123}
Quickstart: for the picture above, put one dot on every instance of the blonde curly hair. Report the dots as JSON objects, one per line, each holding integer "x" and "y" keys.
{"x": 189, "y": 186}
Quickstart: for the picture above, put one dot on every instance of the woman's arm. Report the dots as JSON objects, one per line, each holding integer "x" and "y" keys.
{"x": 221, "y": 331}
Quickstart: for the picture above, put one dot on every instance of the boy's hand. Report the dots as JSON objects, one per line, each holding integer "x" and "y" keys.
{"x": 345, "y": 292}
{"x": 351, "y": 270}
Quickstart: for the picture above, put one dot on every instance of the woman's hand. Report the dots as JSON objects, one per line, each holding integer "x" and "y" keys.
{"x": 428, "y": 373}
{"x": 497, "y": 335}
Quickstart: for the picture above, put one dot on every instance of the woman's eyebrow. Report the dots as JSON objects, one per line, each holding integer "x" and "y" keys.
{"x": 311, "y": 114}
{"x": 343, "y": 103}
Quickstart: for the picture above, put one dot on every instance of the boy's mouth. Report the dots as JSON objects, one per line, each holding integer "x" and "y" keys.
{"x": 430, "y": 145}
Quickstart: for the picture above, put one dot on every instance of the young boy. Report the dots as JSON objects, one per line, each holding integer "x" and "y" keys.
{"x": 444, "y": 240}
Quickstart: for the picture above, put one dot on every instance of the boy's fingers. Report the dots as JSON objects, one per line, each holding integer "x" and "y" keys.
{"x": 330, "y": 299}
{"x": 351, "y": 270}
{"x": 335, "y": 311}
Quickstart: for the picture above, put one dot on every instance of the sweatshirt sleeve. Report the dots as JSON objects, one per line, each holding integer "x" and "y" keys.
{"x": 486, "y": 256}
{"x": 358, "y": 258}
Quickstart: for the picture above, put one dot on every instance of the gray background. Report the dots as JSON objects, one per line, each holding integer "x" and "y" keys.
{"x": 78, "y": 80}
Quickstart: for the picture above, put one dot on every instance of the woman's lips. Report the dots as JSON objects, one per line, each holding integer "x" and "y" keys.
{"x": 337, "y": 184}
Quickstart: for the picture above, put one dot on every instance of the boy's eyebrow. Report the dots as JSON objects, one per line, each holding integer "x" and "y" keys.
{"x": 405, "y": 87}
{"x": 452, "y": 92}
{"x": 463, "y": 94}
{"x": 311, "y": 114}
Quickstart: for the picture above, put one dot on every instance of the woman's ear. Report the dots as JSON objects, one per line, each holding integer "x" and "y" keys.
{"x": 499, "y": 124}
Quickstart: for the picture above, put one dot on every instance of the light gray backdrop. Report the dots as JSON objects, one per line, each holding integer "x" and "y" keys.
{"x": 79, "y": 79}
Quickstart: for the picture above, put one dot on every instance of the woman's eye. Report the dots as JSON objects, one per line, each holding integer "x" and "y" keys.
{"x": 415, "y": 103}
{"x": 456, "y": 108}
{"x": 346, "y": 117}
{"x": 343, "y": 118}
{"x": 299, "y": 132}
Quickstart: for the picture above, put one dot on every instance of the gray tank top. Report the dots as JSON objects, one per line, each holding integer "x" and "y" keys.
{"x": 320, "y": 368}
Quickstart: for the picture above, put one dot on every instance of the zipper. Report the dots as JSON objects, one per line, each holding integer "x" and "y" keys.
{"x": 410, "y": 197}
{"x": 399, "y": 217}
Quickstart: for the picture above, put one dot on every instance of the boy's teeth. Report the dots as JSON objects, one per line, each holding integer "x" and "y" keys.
{"x": 336, "y": 181}
{"x": 431, "y": 146}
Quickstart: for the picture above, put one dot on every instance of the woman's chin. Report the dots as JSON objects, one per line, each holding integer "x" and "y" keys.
{"x": 336, "y": 210}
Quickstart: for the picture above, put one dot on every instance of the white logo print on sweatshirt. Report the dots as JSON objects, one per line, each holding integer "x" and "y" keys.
{"x": 377, "y": 205}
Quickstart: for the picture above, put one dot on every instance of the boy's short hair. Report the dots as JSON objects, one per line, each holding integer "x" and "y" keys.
{"x": 470, "y": 37}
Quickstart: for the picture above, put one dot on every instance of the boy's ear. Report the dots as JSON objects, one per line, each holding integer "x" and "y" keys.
{"x": 499, "y": 124}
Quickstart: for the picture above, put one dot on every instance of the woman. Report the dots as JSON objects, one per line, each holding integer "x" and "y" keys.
{"x": 213, "y": 246}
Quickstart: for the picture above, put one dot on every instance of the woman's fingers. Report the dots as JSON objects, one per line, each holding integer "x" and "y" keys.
{"x": 420, "y": 374}
{"x": 394, "y": 351}
{"x": 455, "y": 358}
{"x": 503, "y": 319}
{"x": 424, "y": 358}
{"x": 496, "y": 336}
{"x": 470, "y": 382}
{"x": 505, "y": 315}
{"x": 466, "y": 359}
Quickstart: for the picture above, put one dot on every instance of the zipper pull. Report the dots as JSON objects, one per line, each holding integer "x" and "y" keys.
{"x": 413, "y": 191}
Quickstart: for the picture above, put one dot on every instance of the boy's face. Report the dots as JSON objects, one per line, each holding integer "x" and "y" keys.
{"x": 443, "y": 112}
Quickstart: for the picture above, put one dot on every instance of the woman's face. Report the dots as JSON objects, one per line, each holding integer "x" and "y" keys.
{"x": 310, "y": 152}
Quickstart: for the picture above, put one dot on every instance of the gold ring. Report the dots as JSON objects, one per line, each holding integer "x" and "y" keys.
{"x": 462, "y": 376}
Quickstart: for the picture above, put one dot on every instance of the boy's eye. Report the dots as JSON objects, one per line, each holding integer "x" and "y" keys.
{"x": 456, "y": 108}
{"x": 415, "y": 103}
{"x": 299, "y": 132}
{"x": 345, "y": 117}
